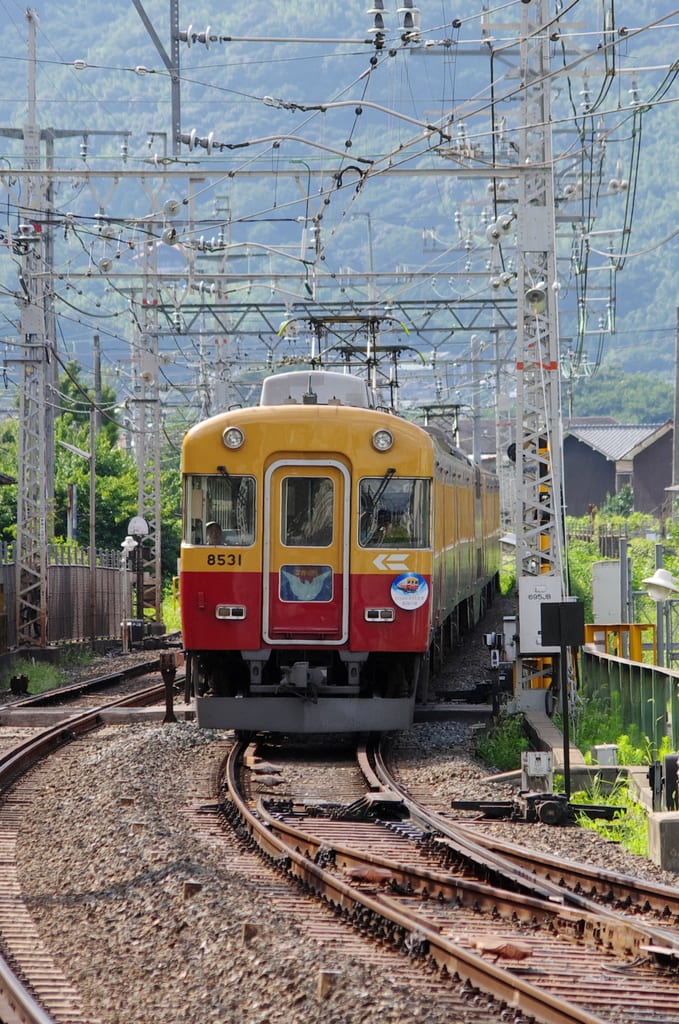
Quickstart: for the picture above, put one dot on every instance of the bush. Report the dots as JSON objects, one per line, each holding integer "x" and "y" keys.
{"x": 500, "y": 745}
{"x": 600, "y": 723}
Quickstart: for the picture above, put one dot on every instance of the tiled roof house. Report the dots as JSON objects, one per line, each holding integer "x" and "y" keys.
{"x": 601, "y": 458}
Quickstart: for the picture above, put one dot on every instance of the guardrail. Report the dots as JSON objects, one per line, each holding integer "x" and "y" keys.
{"x": 648, "y": 694}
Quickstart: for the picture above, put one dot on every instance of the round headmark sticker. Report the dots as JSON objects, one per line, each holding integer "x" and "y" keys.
{"x": 409, "y": 591}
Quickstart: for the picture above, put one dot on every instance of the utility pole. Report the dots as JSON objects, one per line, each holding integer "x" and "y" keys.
{"x": 171, "y": 62}
{"x": 675, "y": 439}
{"x": 147, "y": 424}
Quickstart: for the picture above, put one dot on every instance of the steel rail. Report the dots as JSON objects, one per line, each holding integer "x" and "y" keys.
{"x": 24, "y": 755}
{"x": 612, "y": 885}
{"x": 434, "y": 884}
{"x": 499, "y": 866}
{"x": 85, "y": 685}
{"x": 17, "y": 1004}
{"x": 493, "y": 980}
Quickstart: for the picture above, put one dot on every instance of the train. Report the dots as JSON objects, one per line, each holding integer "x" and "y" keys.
{"x": 332, "y": 550}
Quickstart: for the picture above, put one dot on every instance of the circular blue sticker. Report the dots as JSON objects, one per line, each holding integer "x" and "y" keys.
{"x": 409, "y": 590}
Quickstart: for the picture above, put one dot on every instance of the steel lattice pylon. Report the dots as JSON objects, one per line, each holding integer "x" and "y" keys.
{"x": 32, "y": 508}
{"x": 36, "y": 434}
{"x": 538, "y": 510}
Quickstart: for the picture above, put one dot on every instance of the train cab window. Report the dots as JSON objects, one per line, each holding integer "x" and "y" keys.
{"x": 394, "y": 512}
{"x": 220, "y": 510}
{"x": 307, "y": 504}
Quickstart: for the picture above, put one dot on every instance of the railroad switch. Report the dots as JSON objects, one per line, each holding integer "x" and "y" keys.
{"x": 375, "y": 807}
{"x": 371, "y": 807}
{"x": 546, "y": 808}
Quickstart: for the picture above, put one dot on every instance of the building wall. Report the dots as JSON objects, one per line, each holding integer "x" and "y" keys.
{"x": 588, "y": 477}
{"x": 652, "y": 474}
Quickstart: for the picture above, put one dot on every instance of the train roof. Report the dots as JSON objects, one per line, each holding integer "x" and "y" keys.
{"x": 444, "y": 440}
{"x": 316, "y": 387}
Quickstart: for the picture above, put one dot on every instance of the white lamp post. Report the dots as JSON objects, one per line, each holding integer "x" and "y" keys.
{"x": 661, "y": 586}
{"x": 128, "y": 545}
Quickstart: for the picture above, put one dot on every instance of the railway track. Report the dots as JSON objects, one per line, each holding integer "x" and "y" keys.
{"x": 581, "y": 885}
{"x": 476, "y": 920}
{"x": 480, "y": 936}
{"x": 33, "y": 988}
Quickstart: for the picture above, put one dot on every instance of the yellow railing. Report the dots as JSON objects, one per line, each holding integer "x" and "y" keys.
{"x": 623, "y": 639}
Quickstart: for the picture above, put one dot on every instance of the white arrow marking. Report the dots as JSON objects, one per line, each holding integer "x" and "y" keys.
{"x": 391, "y": 563}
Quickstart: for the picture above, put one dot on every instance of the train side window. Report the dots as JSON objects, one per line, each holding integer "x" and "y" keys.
{"x": 395, "y": 513}
{"x": 307, "y": 505}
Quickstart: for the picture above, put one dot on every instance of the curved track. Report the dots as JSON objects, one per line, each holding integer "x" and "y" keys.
{"x": 393, "y": 871}
{"x": 33, "y": 989}
{"x": 592, "y": 889}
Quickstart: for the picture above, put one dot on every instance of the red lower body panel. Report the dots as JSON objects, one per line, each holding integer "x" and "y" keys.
{"x": 297, "y": 622}
{"x": 200, "y": 594}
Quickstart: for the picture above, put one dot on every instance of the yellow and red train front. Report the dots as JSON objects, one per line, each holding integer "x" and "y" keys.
{"x": 325, "y": 520}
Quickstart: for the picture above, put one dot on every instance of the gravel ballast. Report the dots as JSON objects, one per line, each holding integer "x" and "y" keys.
{"x": 108, "y": 855}
{"x": 106, "y": 878}
{"x": 157, "y": 924}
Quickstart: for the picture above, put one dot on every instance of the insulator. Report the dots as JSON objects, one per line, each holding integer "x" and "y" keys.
{"x": 190, "y": 139}
{"x": 378, "y": 27}
{"x": 410, "y": 21}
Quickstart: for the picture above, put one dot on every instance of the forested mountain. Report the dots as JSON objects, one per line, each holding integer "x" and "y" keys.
{"x": 299, "y": 204}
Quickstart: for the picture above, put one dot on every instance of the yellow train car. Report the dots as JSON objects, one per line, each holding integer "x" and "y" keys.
{"x": 328, "y": 546}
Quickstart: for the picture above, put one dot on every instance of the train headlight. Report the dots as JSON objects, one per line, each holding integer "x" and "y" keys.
{"x": 233, "y": 437}
{"x": 383, "y": 440}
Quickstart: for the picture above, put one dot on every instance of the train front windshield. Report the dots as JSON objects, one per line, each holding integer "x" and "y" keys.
{"x": 395, "y": 512}
{"x": 220, "y": 510}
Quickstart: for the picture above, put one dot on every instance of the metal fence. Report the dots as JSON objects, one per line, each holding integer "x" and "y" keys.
{"x": 648, "y": 695}
{"x": 83, "y": 603}
{"x": 7, "y": 598}
{"x": 607, "y": 538}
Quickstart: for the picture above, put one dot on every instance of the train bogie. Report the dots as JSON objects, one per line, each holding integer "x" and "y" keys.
{"x": 325, "y": 542}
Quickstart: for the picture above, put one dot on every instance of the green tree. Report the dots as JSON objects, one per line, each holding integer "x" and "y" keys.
{"x": 77, "y": 401}
{"x": 8, "y": 492}
{"x": 116, "y": 488}
{"x": 620, "y": 504}
{"x": 626, "y": 397}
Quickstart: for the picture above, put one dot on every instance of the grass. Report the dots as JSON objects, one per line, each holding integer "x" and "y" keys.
{"x": 629, "y": 827}
{"x": 170, "y": 609}
{"x": 501, "y": 743}
{"x": 42, "y": 675}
